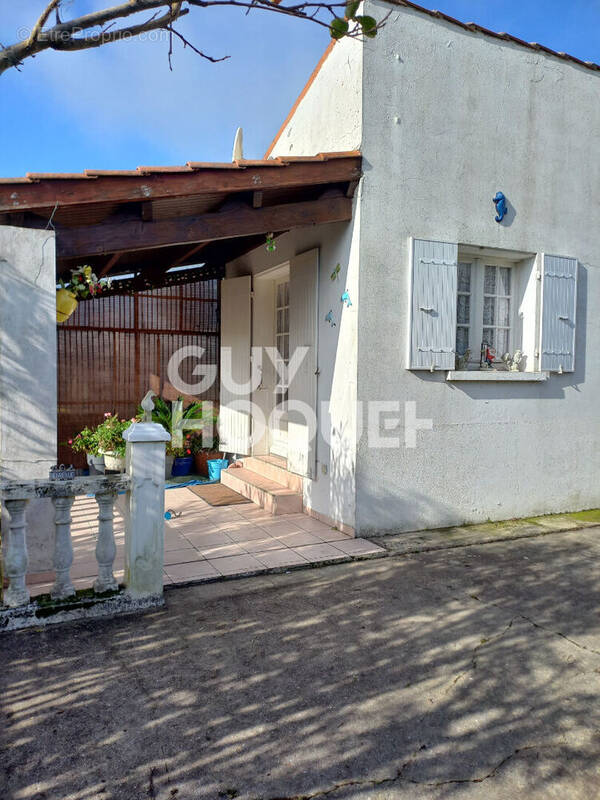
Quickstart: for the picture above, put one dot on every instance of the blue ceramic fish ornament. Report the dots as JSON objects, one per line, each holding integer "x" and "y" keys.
{"x": 345, "y": 298}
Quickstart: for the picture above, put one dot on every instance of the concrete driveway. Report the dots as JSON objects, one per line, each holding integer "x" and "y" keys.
{"x": 467, "y": 673}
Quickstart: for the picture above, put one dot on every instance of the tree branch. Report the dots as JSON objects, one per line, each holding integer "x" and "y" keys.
{"x": 80, "y": 34}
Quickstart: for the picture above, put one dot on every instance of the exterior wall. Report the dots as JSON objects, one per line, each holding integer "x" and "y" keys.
{"x": 328, "y": 117}
{"x": 449, "y": 118}
{"x": 333, "y": 492}
{"x": 28, "y": 372}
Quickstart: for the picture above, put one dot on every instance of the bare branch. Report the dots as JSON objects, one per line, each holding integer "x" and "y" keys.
{"x": 97, "y": 28}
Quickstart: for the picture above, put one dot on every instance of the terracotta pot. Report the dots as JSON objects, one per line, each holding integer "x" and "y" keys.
{"x": 66, "y": 303}
{"x": 202, "y": 458}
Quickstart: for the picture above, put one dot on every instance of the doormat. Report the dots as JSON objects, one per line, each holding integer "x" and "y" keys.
{"x": 216, "y": 494}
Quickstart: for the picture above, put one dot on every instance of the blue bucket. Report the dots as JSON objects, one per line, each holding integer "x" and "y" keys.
{"x": 215, "y": 465}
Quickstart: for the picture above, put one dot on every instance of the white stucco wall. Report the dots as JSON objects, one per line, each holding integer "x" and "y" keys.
{"x": 328, "y": 117}
{"x": 28, "y": 372}
{"x": 333, "y": 491}
{"x": 449, "y": 118}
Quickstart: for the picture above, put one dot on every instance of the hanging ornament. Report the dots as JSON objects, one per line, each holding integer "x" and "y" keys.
{"x": 335, "y": 272}
{"x": 271, "y": 246}
{"x": 329, "y": 318}
{"x": 345, "y": 298}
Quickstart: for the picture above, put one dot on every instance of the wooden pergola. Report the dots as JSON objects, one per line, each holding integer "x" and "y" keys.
{"x": 151, "y": 220}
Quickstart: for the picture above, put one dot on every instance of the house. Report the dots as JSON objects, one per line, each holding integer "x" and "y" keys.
{"x": 364, "y": 253}
{"x": 446, "y": 115}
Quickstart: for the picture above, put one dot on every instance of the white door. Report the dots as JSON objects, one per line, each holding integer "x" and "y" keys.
{"x": 279, "y": 423}
{"x": 302, "y": 390}
{"x": 234, "y": 414}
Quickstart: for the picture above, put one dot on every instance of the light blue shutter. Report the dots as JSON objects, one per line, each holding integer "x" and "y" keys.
{"x": 433, "y": 305}
{"x": 559, "y": 302}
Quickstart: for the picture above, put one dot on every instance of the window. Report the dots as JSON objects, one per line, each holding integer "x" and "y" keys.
{"x": 282, "y": 336}
{"x": 464, "y": 295}
{"x": 485, "y": 309}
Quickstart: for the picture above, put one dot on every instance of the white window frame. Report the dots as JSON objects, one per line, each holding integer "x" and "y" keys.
{"x": 476, "y": 325}
{"x": 282, "y": 386}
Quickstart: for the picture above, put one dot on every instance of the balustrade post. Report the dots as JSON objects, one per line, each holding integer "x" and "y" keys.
{"x": 145, "y": 521}
{"x": 106, "y": 548}
{"x": 63, "y": 548}
{"x": 15, "y": 554}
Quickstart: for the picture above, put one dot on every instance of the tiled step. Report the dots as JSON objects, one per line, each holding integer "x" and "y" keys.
{"x": 275, "y": 469}
{"x": 274, "y": 497}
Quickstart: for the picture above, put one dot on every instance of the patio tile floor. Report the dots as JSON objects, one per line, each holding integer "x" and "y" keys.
{"x": 206, "y": 543}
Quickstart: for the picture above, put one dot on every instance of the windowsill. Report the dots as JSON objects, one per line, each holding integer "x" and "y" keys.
{"x": 495, "y": 375}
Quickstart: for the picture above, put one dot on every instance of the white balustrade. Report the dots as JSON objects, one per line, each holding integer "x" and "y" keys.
{"x": 16, "y": 494}
{"x": 15, "y": 554}
{"x": 63, "y": 548}
{"x": 106, "y": 549}
{"x": 144, "y": 523}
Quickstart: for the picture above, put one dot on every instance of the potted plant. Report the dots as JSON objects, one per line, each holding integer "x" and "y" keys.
{"x": 172, "y": 417}
{"x": 86, "y": 442}
{"x": 110, "y": 441}
{"x": 83, "y": 285}
{"x": 183, "y": 461}
{"x": 205, "y": 446}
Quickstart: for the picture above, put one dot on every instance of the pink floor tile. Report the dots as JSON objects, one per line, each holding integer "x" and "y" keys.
{"x": 263, "y": 545}
{"x": 182, "y": 556}
{"x": 356, "y": 547}
{"x": 320, "y": 552}
{"x": 235, "y": 565}
{"x": 280, "y": 558}
{"x": 299, "y": 539}
{"x": 187, "y": 572}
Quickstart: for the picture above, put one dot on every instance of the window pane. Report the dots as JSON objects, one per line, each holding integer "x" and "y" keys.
{"x": 462, "y": 340}
{"x": 464, "y": 277}
{"x": 489, "y": 282}
{"x": 488, "y": 336}
{"x": 501, "y": 342}
{"x": 503, "y": 309}
{"x": 286, "y": 320}
{"x": 463, "y": 311}
{"x": 286, "y": 295}
{"x": 280, "y": 295}
{"x": 280, "y": 322}
{"x": 489, "y": 310}
{"x": 504, "y": 276}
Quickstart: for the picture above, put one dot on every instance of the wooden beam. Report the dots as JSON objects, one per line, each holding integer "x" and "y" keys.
{"x": 133, "y": 234}
{"x": 46, "y": 192}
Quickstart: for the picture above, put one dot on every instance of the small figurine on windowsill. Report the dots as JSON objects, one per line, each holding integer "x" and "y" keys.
{"x": 488, "y": 354}
{"x": 513, "y": 362}
{"x": 462, "y": 361}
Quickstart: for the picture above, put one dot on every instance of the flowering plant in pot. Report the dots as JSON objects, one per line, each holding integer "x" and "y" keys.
{"x": 83, "y": 285}
{"x": 86, "y": 441}
{"x": 183, "y": 460}
{"x": 110, "y": 440}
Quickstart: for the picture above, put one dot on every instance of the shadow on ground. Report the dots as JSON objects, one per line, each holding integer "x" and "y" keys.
{"x": 465, "y": 673}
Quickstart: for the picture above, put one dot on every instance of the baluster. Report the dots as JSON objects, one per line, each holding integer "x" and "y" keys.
{"x": 106, "y": 549}
{"x": 15, "y": 554}
{"x": 63, "y": 548}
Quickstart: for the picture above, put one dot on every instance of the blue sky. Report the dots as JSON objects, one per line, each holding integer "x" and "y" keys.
{"x": 120, "y": 106}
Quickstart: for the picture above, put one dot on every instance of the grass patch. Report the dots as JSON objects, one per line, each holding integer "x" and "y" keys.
{"x": 592, "y": 515}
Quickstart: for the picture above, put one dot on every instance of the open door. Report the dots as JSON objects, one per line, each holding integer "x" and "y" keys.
{"x": 234, "y": 414}
{"x": 304, "y": 313}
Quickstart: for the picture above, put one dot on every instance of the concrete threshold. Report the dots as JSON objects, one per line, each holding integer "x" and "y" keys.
{"x": 485, "y": 533}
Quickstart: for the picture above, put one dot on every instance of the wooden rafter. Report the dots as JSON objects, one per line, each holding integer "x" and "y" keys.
{"x": 131, "y": 234}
